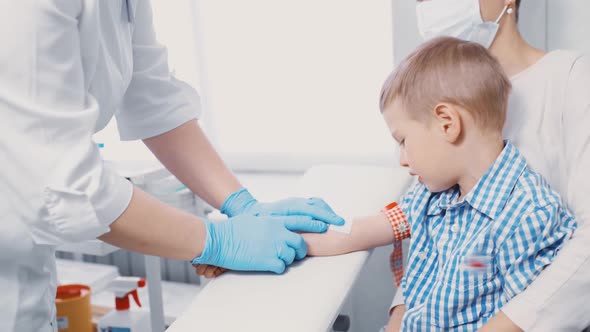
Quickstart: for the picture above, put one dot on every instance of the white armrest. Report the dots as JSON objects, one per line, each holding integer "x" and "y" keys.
{"x": 310, "y": 294}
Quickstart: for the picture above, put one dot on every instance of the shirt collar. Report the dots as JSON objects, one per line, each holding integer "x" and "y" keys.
{"x": 444, "y": 200}
{"x": 491, "y": 192}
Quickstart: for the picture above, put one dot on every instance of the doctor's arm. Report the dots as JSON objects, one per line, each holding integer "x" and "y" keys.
{"x": 154, "y": 228}
{"x": 187, "y": 153}
{"x": 246, "y": 243}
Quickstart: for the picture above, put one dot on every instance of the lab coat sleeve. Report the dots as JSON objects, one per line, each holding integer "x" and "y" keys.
{"x": 155, "y": 102}
{"x": 56, "y": 181}
{"x": 557, "y": 299}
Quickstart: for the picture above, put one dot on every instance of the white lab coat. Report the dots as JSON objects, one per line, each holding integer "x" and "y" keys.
{"x": 66, "y": 68}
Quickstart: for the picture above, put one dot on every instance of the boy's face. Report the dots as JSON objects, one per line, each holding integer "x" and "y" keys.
{"x": 423, "y": 149}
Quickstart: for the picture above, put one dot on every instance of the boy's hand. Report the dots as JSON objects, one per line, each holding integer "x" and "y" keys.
{"x": 208, "y": 271}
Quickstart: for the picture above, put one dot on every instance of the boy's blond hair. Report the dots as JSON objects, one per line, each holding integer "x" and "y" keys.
{"x": 450, "y": 70}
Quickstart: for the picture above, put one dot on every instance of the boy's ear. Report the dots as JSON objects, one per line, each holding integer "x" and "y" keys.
{"x": 448, "y": 119}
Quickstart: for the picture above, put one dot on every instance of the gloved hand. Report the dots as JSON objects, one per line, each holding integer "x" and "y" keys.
{"x": 242, "y": 202}
{"x": 250, "y": 243}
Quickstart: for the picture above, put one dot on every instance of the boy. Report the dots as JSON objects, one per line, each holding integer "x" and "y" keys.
{"x": 482, "y": 224}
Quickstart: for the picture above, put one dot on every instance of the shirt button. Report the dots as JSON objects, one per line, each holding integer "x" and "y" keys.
{"x": 455, "y": 228}
{"x": 422, "y": 255}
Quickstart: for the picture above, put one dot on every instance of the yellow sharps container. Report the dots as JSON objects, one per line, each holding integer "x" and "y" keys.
{"x": 74, "y": 312}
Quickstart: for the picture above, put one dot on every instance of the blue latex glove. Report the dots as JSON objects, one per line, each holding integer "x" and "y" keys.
{"x": 250, "y": 243}
{"x": 242, "y": 202}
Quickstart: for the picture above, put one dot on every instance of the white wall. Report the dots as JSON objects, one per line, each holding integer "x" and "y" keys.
{"x": 532, "y": 22}
{"x": 556, "y": 24}
{"x": 405, "y": 30}
{"x": 568, "y": 24}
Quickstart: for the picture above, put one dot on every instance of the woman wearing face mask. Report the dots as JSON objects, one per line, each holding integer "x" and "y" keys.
{"x": 548, "y": 120}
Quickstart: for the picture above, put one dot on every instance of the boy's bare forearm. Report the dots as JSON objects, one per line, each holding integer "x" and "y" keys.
{"x": 366, "y": 233}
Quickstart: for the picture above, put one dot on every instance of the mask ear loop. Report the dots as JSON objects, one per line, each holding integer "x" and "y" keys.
{"x": 502, "y": 14}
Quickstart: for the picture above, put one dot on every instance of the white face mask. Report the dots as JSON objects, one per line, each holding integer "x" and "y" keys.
{"x": 456, "y": 18}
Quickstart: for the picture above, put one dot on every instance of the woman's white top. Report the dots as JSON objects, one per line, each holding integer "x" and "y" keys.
{"x": 549, "y": 121}
{"x": 66, "y": 68}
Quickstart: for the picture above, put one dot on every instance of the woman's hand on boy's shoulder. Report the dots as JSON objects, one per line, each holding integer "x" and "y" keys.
{"x": 395, "y": 320}
{"x": 500, "y": 322}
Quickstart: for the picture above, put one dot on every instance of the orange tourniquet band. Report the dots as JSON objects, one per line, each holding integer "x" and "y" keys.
{"x": 401, "y": 230}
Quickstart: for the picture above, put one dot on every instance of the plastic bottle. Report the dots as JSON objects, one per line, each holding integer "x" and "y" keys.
{"x": 122, "y": 319}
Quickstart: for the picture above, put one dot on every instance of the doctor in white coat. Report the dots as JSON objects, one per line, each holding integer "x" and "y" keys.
{"x": 66, "y": 68}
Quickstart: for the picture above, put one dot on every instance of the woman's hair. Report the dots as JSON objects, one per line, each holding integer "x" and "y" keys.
{"x": 450, "y": 70}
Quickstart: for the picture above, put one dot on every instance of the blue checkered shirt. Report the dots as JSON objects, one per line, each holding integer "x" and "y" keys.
{"x": 467, "y": 258}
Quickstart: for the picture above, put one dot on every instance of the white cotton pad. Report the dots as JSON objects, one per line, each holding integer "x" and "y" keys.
{"x": 346, "y": 228}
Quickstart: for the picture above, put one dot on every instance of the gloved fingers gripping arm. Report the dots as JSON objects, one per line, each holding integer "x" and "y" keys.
{"x": 242, "y": 202}
{"x": 250, "y": 243}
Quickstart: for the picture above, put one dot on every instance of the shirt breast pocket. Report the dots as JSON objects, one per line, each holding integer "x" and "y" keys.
{"x": 466, "y": 292}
